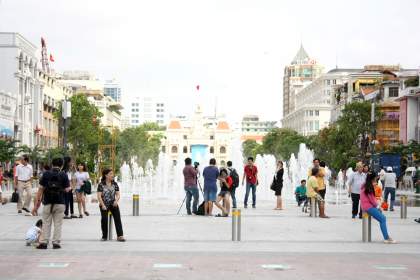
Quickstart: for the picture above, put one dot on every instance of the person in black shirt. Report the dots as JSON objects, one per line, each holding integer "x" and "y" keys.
{"x": 54, "y": 184}
{"x": 108, "y": 197}
{"x": 278, "y": 185}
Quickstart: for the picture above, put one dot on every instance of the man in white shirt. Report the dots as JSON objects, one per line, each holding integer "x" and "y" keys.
{"x": 390, "y": 185}
{"x": 23, "y": 183}
{"x": 356, "y": 181}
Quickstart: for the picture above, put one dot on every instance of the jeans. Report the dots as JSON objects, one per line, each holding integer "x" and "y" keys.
{"x": 117, "y": 220}
{"x": 387, "y": 192}
{"x": 68, "y": 201}
{"x": 355, "y": 198}
{"x": 191, "y": 192}
{"x": 233, "y": 195}
{"x": 375, "y": 213}
{"x": 254, "y": 194}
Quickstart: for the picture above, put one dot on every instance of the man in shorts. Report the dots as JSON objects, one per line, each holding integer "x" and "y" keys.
{"x": 210, "y": 174}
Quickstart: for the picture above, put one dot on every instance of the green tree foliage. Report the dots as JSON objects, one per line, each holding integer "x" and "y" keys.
{"x": 139, "y": 142}
{"x": 83, "y": 130}
{"x": 250, "y": 148}
{"x": 8, "y": 150}
{"x": 282, "y": 142}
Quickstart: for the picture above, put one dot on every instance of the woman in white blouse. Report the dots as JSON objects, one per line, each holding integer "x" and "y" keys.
{"x": 81, "y": 177}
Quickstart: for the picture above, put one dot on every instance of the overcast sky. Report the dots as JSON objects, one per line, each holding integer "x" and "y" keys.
{"x": 235, "y": 49}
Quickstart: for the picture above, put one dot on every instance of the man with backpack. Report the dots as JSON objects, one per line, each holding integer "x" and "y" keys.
{"x": 235, "y": 182}
{"x": 53, "y": 185}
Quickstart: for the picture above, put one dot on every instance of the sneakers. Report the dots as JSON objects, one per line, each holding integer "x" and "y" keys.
{"x": 26, "y": 210}
{"x": 56, "y": 246}
{"x": 390, "y": 241}
{"x": 42, "y": 246}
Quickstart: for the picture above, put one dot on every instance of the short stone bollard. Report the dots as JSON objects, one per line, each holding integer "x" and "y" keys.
{"x": 403, "y": 207}
{"x": 136, "y": 205}
{"x": 236, "y": 225}
{"x": 366, "y": 227}
{"x": 110, "y": 225}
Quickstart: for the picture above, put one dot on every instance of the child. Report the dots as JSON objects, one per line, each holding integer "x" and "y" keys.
{"x": 378, "y": 192}
{"x": 34, "y": 233}
{"x": 300, "y": 192}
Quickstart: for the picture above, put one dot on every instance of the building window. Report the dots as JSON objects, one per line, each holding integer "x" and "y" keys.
{"x": 316, "y": 112}
{"x": 211, "y": 137}
{"x": 328, "y": 82}
{"x": 163, "y": 149}
{"x": 334, "y": 82}
{"x": 185, "y": 149}
{"x": 211, "y": 150}
{"x": 393, "y": 92}
{"x": 311, "y": 113}
{"x": 316, "y": 125}
{"x": 174, "y": 149}
{"x": 223, "y": 150}
{"x": 185, "y": 137}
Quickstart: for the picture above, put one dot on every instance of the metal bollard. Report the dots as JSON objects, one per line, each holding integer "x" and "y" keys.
{"x": 136, "y": 202}
{"x": 236, "y": 225}
{"x": 403, "y": 207}
{"x": 313, "y": 207}
{"x": 110, "y": 225}
{"x": 366, "y": 227}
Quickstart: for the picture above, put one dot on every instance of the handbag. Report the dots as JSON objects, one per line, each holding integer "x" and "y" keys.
{"x": 273, "y": 186}
{"x": 15, "y": 197}
{"x": 87, "y": 187}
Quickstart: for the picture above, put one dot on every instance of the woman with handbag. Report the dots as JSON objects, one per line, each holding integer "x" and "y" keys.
{"x": 277, "y": 185}
{"x": 108, "y": 196}
{"x": 81, "y": 177}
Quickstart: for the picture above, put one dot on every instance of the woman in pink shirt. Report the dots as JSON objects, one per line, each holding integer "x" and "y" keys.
{"x": 370, "y": 204}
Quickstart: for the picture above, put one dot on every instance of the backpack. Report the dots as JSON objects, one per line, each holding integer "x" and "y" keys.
{"x": 235, "y": 178}
{"x": 54, "y": 190}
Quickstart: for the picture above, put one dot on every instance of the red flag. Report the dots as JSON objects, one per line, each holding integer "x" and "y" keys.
{"x": 198, "y": 87}
{"x": 52, "y": 58}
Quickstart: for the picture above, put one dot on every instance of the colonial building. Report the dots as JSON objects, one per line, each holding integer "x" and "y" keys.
{"x": 19, "y": 85}
{"x": 198, "y": 138}
{"x": 53, "y": 93}
{"x": 301, "y": 72}
{"x": 313, "y": 103}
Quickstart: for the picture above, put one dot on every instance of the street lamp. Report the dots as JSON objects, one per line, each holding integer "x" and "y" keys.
{"x": 66, "y": 113}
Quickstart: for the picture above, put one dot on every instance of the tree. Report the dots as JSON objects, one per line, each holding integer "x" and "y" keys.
{"x": 355, "y": 123}
{"x": 282, "y": 142}
{"x": 9, "y": 150}
{"x": 250, "y": 148}
{"x": 83, "y": 131}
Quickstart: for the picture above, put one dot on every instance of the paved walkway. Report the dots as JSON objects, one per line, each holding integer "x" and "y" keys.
{"x": 161, "y": 245}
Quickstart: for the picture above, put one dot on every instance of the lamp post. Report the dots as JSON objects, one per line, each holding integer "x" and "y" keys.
{"x": 66, "y": 113}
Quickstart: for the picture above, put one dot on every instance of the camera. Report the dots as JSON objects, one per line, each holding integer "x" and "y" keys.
{"x": 196, "y": 164}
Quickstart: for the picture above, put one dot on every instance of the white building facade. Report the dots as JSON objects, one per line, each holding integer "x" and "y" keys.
{"x": 113, "y": 90}
{"x": 148, "y": 110}
{"x": 313, "y": 103}
{"x": 19, "y": 81}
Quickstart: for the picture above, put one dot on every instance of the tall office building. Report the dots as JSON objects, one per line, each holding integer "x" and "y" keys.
{"x": 148, "y": 109}
{"x": 113, "y": 90}
{"x": 301, "y": 72}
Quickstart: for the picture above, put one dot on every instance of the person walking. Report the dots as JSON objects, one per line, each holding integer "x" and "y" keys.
{"x": 390, "y": 185}
{"x": 23, "y": 183}
{"x": 277, "y": 185}
{"x": 356, "y": 182}
{"x": 235, "y": 182}
{"x": 68, "y": 168}
{"x": 53, "y": 184}
{"x": 251, "y": 175}
{"x": 370, "y": 205}
{"x": 210, "y": 174}
{"x": 190, "y": 186}
{"x": 81, "y": 177}
{"x": 108, "y": 197}
{"x": 312, "y": 191}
